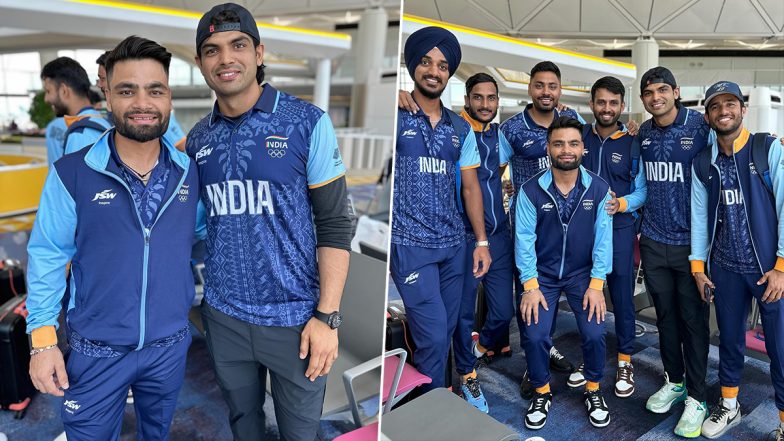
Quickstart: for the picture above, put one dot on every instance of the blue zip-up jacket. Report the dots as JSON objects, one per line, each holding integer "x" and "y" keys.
{"x": 763, "y": 210}
{"x": 611, "y": 159}
{"x": 544, "y": 245}
{"x": 493, "y": 154}
{"x": 129, "y": 285}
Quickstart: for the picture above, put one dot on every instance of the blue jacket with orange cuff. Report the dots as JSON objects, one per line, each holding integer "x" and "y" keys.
{"x": 763, "y": 206}
{"x": 545, "y": 246}
{"x": 129, "y": 284}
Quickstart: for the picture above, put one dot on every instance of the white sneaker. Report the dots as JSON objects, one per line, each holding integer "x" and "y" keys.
{"x": 721, "y": 420}
{"x": 475, "y": 349}
{"x": 576, "y": 378}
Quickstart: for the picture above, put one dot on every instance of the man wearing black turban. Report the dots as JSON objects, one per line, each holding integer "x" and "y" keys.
{"x": 435, "y": 155}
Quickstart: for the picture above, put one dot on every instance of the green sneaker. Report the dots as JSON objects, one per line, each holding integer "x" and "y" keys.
{"x": 669, "y": 394}
{"x": 694, "y": 414}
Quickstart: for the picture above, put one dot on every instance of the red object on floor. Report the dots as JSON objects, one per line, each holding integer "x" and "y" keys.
{"x": 755, "y": 340}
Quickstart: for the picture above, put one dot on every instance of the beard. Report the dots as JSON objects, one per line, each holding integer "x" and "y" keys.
{"x": 564, "y": 166}
{"x": 729, "y": 130}
{"x": 542, "y": 108}
{"x": 475, "y": 114}
{"x": 430, "y": 94}
{"x": 59, "y": 109}
{"x": 144, "y": 133}
{"x": 613, "y": 122}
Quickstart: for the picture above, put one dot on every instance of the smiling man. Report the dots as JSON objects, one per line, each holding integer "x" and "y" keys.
{"x": 669, "y": 141}
{"x": 270, "y": 169}
{"x": 563, "y": 244}
{"x": 121, "y": 212}
{"x": 737, "y": 245}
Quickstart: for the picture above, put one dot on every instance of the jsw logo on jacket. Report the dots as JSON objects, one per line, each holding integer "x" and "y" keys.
{"x": 546, "y": 246}
{"x": 129, "y": 284}
{"x": 763, "y": 207}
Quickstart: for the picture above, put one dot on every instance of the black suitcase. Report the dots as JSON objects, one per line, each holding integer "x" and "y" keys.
{"x": 12, "y": 280}
{"x": 398, "y": 335}
{"x": 16, "y": 388}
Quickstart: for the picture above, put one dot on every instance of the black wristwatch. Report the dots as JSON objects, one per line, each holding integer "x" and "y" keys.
{"x": 333, "y": 319}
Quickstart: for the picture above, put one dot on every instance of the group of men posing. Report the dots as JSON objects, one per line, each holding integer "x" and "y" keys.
{"x": 711, "y": 231}
{"x": 261, "y": 178}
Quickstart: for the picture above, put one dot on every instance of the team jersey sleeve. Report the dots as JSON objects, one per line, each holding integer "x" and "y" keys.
{"x": 469, "y": 153}
{"x": 636, "y": 199}
{"x": 699, "y": 224}
{"x": 201, "y": 221}
{"x": 777, "y": 179}
{"x": 602, "y": 246}
{"x": 525, "y": 241}
{"x": 54, "y": 140}
{"x": 80, "y": 139}
{"x": 504, "y": 149}
{"x": 324, "y": 161}
{"x": 52, "y": 244}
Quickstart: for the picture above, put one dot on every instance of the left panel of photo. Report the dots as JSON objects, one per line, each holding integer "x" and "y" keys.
{"x": 194, "y": 218}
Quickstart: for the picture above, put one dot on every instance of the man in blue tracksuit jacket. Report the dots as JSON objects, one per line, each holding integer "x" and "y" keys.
{"x": 737, "y": 245}
{"x": 563, "y": 244}
{"x": 123, "y": 213}
{"x": 481, "y": 108}
{"x": 610, "y": 154}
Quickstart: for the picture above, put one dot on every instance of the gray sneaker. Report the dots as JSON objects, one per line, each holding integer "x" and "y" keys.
{"x": 690, "y": 424}
{"x": 721, "y": 420}
{"x": 664, "y": 398}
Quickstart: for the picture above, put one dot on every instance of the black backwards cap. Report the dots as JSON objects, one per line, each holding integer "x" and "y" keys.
{"x": 246, "y": 25}
{"x": 657, "y": 75}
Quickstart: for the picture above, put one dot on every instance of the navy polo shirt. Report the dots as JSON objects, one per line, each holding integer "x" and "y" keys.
{"x": 425, "y": 196}
{"x": 667, "y": 153}
{"x": 255, "y": 173}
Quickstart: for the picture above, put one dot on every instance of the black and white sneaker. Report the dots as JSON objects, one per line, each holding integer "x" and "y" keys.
{"x": 526, "y": 388}
{"x": 536, "y": 416}
{"x": 558, "y": 362}
{"x": 576, "y": 378}
{"x": 777, "y": 435}
{"x": 598, "y": 413}
{"x": 721, "y": 420}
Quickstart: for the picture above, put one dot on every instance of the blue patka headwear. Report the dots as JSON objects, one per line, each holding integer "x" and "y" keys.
{"x": 424, "y": 40}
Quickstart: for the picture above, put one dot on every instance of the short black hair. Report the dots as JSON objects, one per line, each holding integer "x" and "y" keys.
{"x": 481, "y": 77}
{"x": 546, "y": 66}
{"x": 101, "y": 60}
{"x": 94, "y": 96}
{"x": 612, "y": 84}
{"x": 138, "y": 48}
{"x": 64, "y": 70}
{"x": 564, "y": 122}
{"x": 229, "y": 16}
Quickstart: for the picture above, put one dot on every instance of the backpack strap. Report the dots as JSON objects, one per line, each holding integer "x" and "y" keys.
{"x": 760, "y": 147}
{"x": 89, "y": 122}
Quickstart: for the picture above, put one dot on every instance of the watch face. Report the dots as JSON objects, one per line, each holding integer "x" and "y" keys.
{"x": 335, "y": 320}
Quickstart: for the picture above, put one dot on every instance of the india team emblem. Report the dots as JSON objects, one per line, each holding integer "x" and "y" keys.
{"x": 456, "y": 141}
{"x": 588, "y": 204}
{"x": 183, "y": 193}
{"x": 276, "y": 146}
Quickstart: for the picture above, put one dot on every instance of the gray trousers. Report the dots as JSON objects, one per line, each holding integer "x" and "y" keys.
{"x": 241, "y": 355}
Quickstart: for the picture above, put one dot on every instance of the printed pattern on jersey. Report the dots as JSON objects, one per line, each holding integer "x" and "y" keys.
{"x": 255, "y": 172}
{"x": 425, "y": 210}
{"x": 732, "y": 250}
{"x": 149, "y": 198}
{"x": 666, "y": 155}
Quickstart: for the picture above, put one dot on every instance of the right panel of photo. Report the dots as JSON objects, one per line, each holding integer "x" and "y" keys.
{"x": 586, "y": 219}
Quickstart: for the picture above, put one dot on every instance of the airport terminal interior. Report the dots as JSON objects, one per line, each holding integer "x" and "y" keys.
{"x": 345, "y": 56}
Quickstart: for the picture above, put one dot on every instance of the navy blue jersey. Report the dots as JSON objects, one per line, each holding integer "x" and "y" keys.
{"x": 529, "y": 143}
{"x": 667, "y": 153}
{"x": 494, "y": 153}
{"x": 732, "y": 250}
{"x": 566, "y": 204}
{"x": 611, "y": 158}
{"x": 255, "y": 172}
{"x": 425, "y": 212}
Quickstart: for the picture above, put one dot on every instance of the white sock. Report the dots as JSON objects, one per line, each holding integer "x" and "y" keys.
{"x": 730, "y": 403}
{"x": 622, "y": 363}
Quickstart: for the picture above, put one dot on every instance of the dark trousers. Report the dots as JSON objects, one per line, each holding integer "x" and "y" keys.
{"x": 734, "y": 293}
{"x": 681, "y": 316}
{"x": 430, "y": 283}
{"x": 536, "y": 338}
{"x": 498, "y": 295}
{"x": 621, "y": 285}
{"x": 242, "y": 353}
